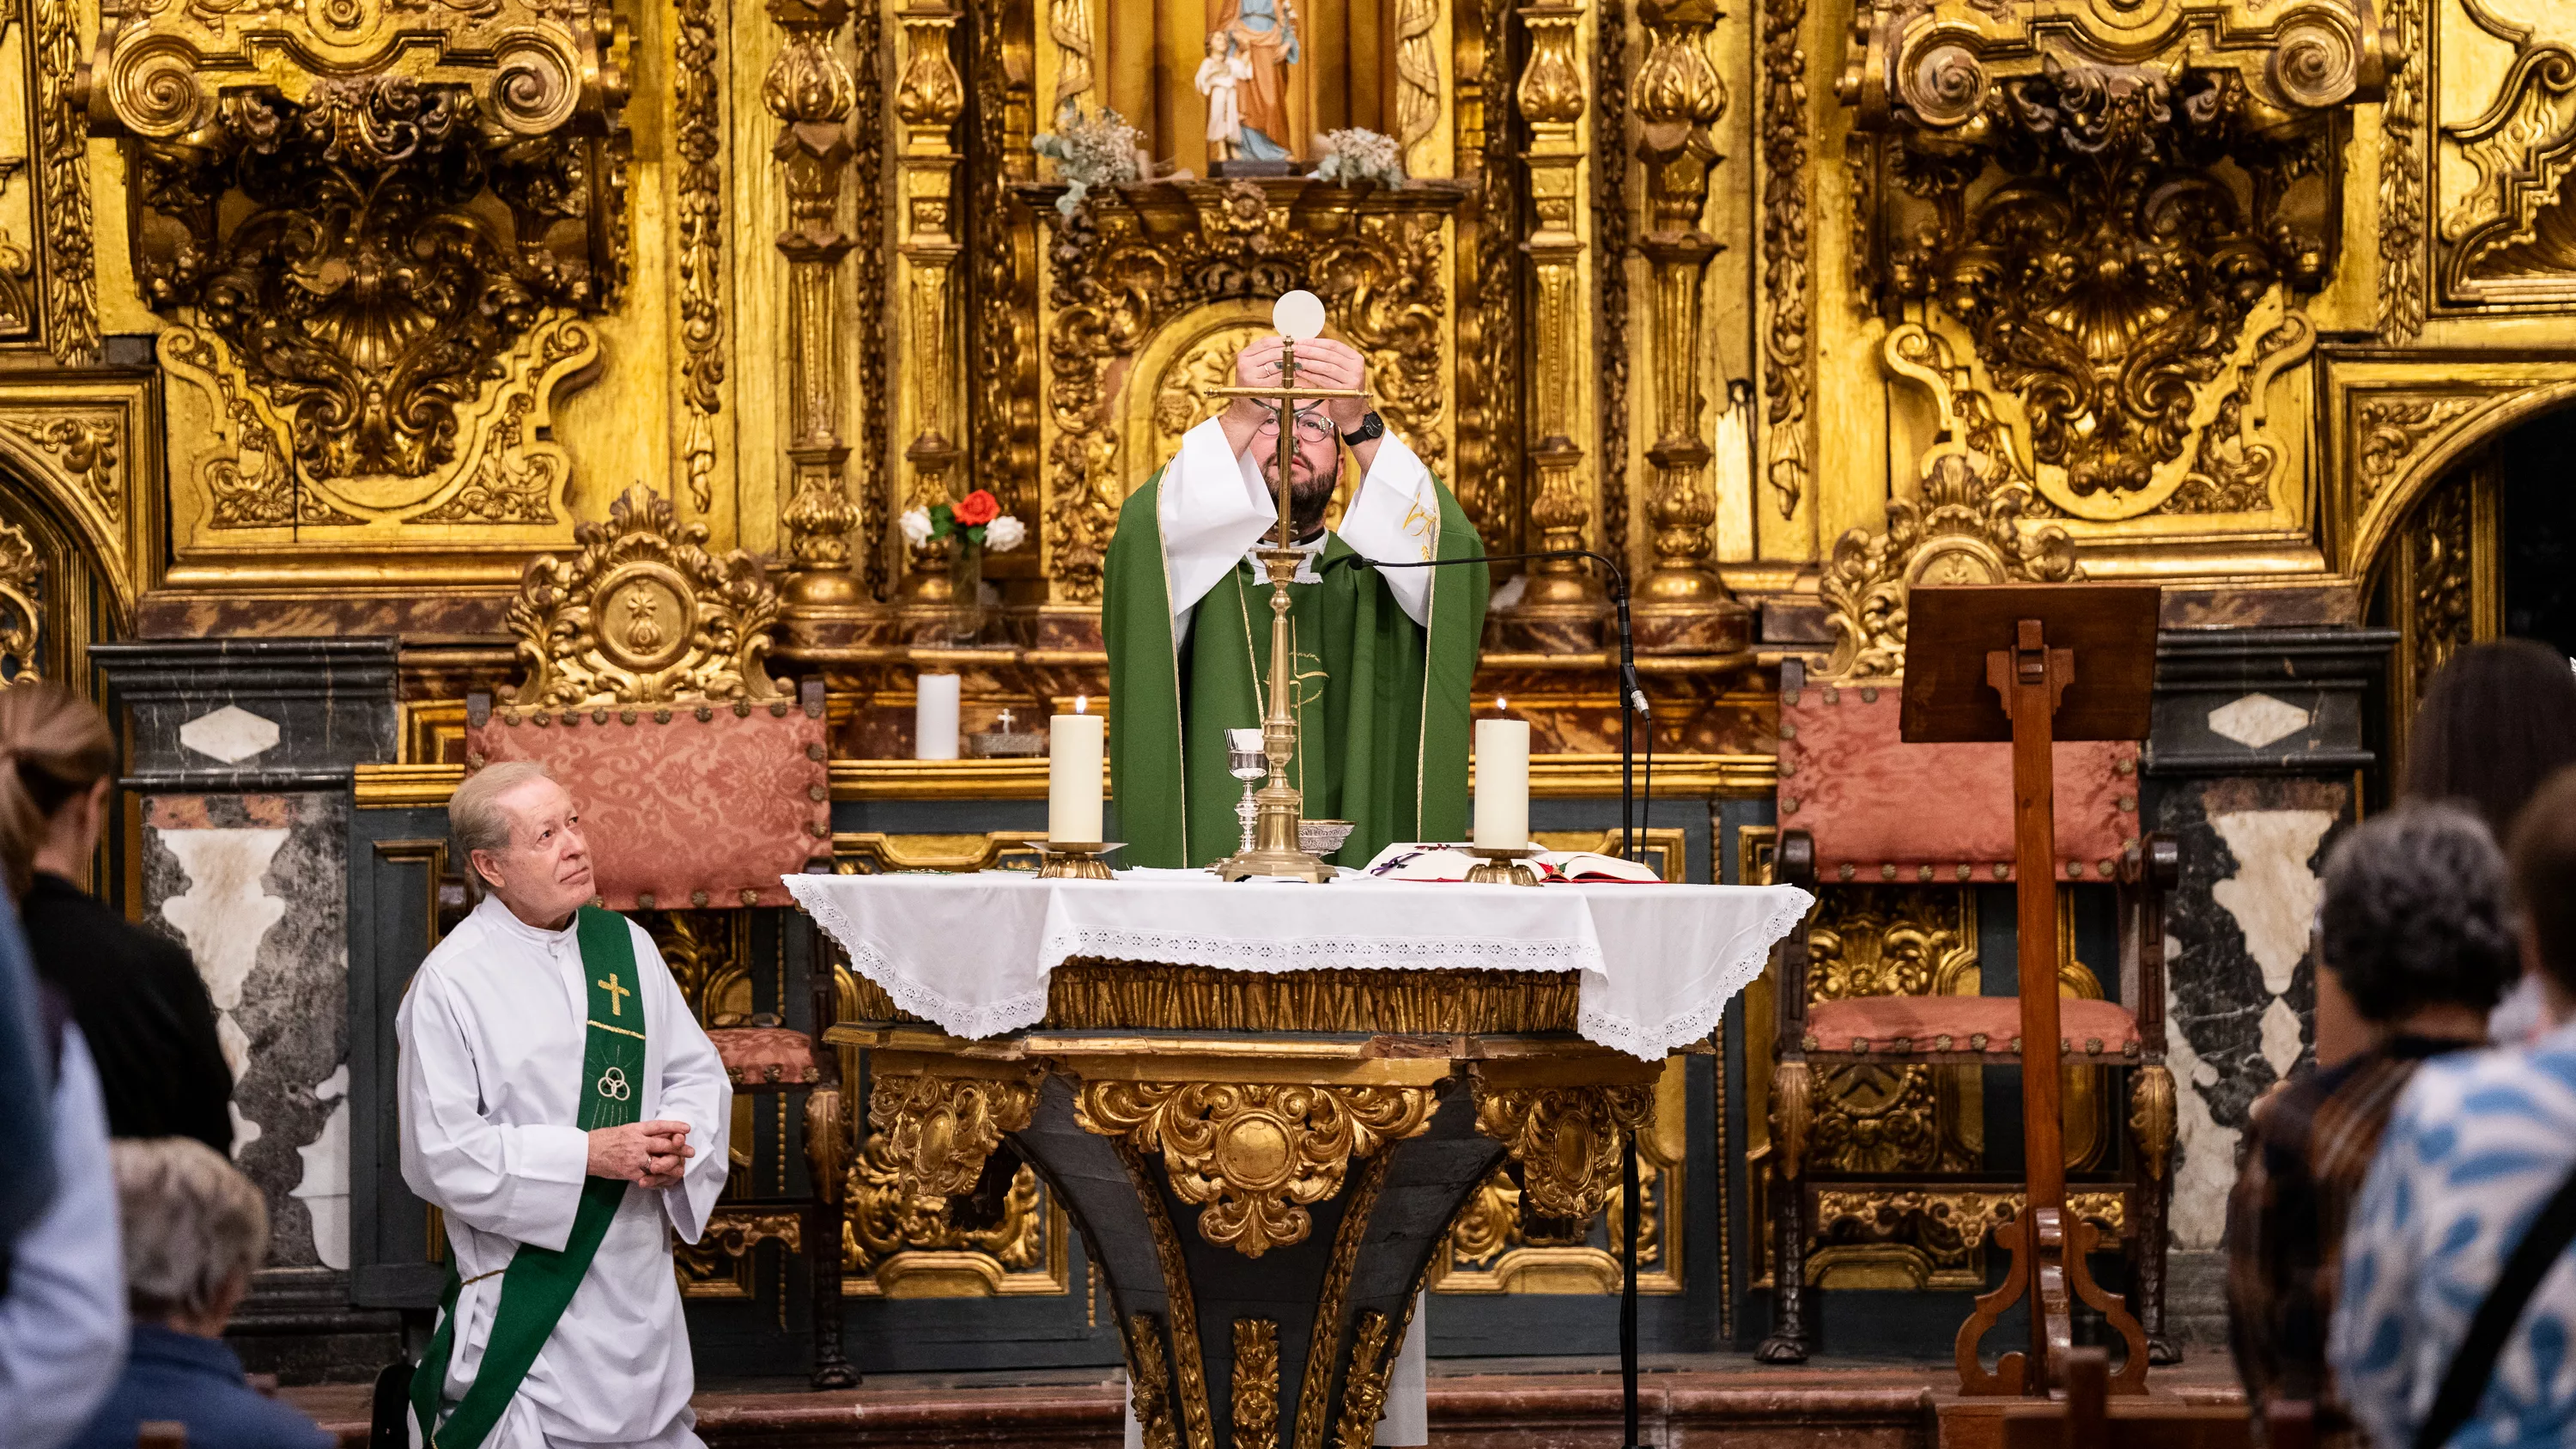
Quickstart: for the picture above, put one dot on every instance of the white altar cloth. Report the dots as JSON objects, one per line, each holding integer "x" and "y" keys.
{"x": 971, "y": 952}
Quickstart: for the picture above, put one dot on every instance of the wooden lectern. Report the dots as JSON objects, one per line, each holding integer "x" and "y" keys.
{"x": 2035, "y": 664}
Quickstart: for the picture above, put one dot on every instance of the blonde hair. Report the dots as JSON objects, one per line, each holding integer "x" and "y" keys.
{"x": 192, "y": 1224}
{"x": 475, "y": 819}
{"x": 54, "y": 745}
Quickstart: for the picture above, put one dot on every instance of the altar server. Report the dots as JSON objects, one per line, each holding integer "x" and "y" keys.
{"x": 565, "y": 1111}
{"x": 1383, "y": 659}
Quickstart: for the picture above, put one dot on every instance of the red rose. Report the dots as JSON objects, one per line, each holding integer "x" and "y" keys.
{"x": 977, "y": 509}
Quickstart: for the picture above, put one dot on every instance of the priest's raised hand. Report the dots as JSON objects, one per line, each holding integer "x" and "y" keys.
{"x": 1383, "y": 659}
{"x": 562, "y": 1108}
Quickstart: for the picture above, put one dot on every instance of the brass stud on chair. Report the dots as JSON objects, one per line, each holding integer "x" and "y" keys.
{"x": 742, "y": 709}
{"x": 626, "y": 716}
{"x": 662, "y": 716}
{"x": 698, "y": 900}
{"x": 706, "y": 712}
{"x": 643, "y": 900}
{"x": 1887, "y": 872}
{"x": 750, "y": 897}
{"x": 814, "y": 753}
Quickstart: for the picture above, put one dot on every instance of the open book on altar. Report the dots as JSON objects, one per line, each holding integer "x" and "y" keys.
{"x": 1433, "y": 861}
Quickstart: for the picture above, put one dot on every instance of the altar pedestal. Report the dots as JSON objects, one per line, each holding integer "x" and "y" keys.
{"x": 1263, "y": 1161}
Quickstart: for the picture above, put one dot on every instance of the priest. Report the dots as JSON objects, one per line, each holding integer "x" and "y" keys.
{"x": 564, "y": 1111}
{"x": 1384, "y": 658}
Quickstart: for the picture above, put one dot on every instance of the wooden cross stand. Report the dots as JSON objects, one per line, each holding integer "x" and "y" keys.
{"x": 1997, "y": 662}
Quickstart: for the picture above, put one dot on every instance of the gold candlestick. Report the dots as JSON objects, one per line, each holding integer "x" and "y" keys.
{"x": 1275, "y": 853}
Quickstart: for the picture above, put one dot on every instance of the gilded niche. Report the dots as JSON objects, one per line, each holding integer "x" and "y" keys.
{"x": 376, "y": 270}
{"x": 1132, "y": 260}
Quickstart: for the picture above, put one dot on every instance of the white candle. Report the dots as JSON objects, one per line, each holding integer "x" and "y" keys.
{"x": 1075, "y": 748}
{"x": 1502, "y": 784}
{"x": 934, "y": 717}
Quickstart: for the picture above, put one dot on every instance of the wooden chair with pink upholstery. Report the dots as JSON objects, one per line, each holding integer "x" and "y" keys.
{"x": 700, "y": 781}
{"x": 1860, "y": 809}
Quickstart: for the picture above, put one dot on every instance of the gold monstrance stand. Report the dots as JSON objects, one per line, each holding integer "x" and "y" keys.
{"x": 1275, "y": 853}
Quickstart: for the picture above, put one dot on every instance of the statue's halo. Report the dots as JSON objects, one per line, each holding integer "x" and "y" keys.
{"x": 1299, "y": 316}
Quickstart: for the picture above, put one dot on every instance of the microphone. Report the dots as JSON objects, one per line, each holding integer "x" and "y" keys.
{"x": 1632, "y": 695}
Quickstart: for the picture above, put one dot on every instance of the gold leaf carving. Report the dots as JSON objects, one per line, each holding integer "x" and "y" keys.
{"x": 1874, "y": 1117}
{"x": 1324, "y": 1343}
{"x": 2389, "y": 431}
{"x": 1787, "y": 367}
{"x": 2401, "y": 179}
{"x": 1967, "y": 530}
{"x": 22, "y": 612}
{"x": 939, "y": 1130}
{"x": 1567, "y": 1140}
{"x": 2151, "y": 1117}
{"x": 1947, "y": 1227}
{"x": 1364, "y": 1391}
{"x": 62, "y": 182}
{"x": 1793, "y": 1088}
{"x": 697, "y": 121}
{"x": 887, "y": 1218}
{"x": 1149, "y": 1383}
{"x": 642, "y": 615}
{"x": 1255, "y": 1155}
{"x": 347, "y": 250}
{"x": 1189, "y": 1363}
{"x": 1256, "y": 1384}
{"x": 1417, "y": 75}
{"x": 85, "y": 446}
{"x": 1069, "y": 26}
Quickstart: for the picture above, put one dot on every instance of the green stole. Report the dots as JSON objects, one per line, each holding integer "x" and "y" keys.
{"x": 539, "y": 1283}
{"x": 1381, "y": 701}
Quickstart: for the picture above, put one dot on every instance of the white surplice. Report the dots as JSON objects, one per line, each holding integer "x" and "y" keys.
{"x": 1216, "y": 505}
{"x": 492, "y": 1031}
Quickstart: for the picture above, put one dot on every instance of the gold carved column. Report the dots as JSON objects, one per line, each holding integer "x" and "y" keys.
{"x": 928, "y": 100}
{"x": 1562, "y": 605}
{"x": 1681, "y": 606}
{"x": 810, "y": 90}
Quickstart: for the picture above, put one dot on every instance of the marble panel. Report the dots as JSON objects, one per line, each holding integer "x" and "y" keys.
{"x": 241, "y": 714}
{"x": 256, "y": 886}
{"x": 2240, "y": 971}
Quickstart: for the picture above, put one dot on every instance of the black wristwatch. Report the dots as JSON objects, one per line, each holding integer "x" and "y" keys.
{"x": 1371, "y": 429}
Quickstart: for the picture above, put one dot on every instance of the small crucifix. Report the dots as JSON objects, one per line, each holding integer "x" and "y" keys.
{"x": 1006, "y": 722}
{"x": 617, "y": 991}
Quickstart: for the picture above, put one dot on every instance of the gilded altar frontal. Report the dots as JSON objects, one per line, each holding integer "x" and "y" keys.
{"x": 389, "y": 388}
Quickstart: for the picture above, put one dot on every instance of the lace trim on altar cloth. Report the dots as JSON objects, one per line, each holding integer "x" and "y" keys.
{"x": 1317, "y": 953}
{"x": 972, "y": 1020}
{"x": 1733, "y": 975}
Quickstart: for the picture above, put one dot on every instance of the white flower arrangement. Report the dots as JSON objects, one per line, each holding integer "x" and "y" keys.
{"x": 1004, "y": 534}
{"x": 1357, "y": 155}
{"x": 916, "y": 526}
{"x": 1089, "y": 151}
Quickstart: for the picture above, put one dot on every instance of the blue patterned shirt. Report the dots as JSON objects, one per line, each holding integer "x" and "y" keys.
{"x": 2479, "y": 1142}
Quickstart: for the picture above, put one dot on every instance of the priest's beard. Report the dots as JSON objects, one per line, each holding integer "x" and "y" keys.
{"x": 1309, "y": 494}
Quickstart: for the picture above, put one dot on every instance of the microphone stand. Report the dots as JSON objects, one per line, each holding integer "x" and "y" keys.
{"x": 1632, "y": 696}
{"x": 1632, "y": 707}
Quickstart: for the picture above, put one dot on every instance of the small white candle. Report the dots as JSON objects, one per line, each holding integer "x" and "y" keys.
{"x": 1502, "y": 784}
{"x": 934, "y": 717}
{"x": 1076, "y": 745}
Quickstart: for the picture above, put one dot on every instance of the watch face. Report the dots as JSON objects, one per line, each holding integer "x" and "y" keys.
{"x": 1371, "y": 426}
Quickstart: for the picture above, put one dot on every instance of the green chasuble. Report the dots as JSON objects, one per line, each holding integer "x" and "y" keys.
{"x": 1381, "y": 701}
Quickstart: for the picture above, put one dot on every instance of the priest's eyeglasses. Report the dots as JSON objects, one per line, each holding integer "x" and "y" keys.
{"x": 1310, "y": 421}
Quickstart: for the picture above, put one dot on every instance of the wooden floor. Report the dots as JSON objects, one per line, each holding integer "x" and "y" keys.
{"x": 1691, "y": 1402}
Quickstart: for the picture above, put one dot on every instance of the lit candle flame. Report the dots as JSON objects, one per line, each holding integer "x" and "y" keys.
{"x": 1502, "y": 705}
{"x": 1082, "y": 704}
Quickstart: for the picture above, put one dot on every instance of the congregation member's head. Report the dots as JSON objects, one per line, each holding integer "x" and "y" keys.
{"x": 2496, "y": 721}
{"x": 194, "y": 1229}
{"x": 2544, "y": 889}
{"x": 520, "y": 839}
{"x": 2417, "y": 922}
{"x": 60, "y": 767}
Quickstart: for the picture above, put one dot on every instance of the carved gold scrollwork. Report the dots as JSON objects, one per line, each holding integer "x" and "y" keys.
{"x": 1787, "y": 365}
{"x": 1255, "y": 1395}
{"x": 367, "y": 253}
{"x": 891, "y": 1227}
{"x": 1567, "y": 1140}
{"x": 2151, "y": 1117}
{"x": 2400, "y": 183}
{"x": 2512, "y": 228}
{"x": 22, "y": 614}
{"x": 697, "y": 128}
{"x": 642, "y": 615}
{"x": 1364, "y": 1391}
{"x": 1417, "y": 75}
{"x": 1149, "y": 1383}
{"x": 810, "y": 89}
{"x": 2388, "y": 433}
{"x": 1967, "y": 530}
{"x": 940, "y": 1130}
{"x": 1940, "y": 1231}
{"x": 1254, "y": 1155}
{"x": 61, "y": 159}
{"x": 86, "y": 448}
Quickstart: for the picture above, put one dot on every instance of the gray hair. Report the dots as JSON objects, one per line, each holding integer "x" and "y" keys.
{"x": 474, "y": 814}
{"x": 2416, "y": 913}
{"x": 192, "y": 1224}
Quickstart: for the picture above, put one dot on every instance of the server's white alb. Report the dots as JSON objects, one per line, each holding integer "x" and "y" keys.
{"x": 492, "y": 1034}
